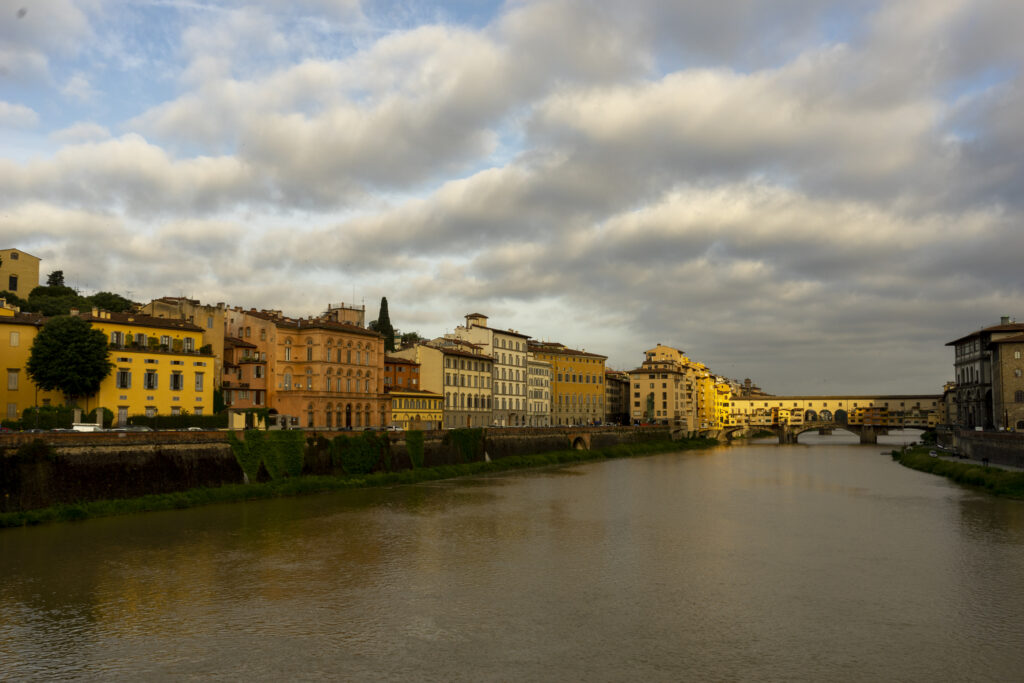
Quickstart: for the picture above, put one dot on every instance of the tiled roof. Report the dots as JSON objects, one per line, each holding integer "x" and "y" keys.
{"x": 240, "y": 343}
{"x": 550, "y": 347}
{"x": 1009, "y": 327}
{"x": 141, "y": 321}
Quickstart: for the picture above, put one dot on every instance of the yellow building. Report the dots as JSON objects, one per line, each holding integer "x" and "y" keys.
{"x": 19, "y": 272}
{"x": 17, "y": 332}
{"x": 416, "y": 409}
{"x": 212, "y": 318}
{"x": 723, "y": 404}
{"x": 577, "y": 383}
{"x": 160, "y": 366}
{"x": 461, "y": 373}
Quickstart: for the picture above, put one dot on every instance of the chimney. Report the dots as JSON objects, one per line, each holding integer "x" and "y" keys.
{"x": 1005, "y": 320}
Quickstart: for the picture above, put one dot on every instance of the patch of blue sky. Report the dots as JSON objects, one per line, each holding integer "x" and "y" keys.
{"x": 401, "y": 14}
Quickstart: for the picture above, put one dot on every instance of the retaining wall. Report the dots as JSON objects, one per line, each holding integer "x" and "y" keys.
{"x": 1001, "y": 448}
{"x": 78, "y": 467}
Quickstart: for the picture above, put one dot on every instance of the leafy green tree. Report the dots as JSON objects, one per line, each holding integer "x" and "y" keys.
{"x": 55, "y": 279}
{"x": 411, "y": 338}
{"x": 110, "y": 301}
{"x": 69, "y": 356}
{"x": 51, "y": 300}
{"x": 384, "y": 325}
{"x": 12, "y": 298}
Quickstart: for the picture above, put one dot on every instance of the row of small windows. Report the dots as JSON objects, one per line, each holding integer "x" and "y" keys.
{"x": 463, "y": 364}
{"x": 329, "y": 384}
{"x": 417, "y": 403}
{"x": 120, "y": 339}
{"x": 361, "y": 357}
{"x": 151, "y": 380}
{"x": 581, "y": 379}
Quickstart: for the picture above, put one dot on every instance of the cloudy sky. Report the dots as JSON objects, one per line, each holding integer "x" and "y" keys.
{"x": 815, "y": 194}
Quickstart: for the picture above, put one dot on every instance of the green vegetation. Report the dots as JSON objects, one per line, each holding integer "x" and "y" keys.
{"x": 294, "y": 486}
{"x": 383, "y": 326}
{"x": 281, "y": 454}
{"x": 184, "y": 420}
{"x": 414, "y": 445}
{"x": 996, "y": 481}
{"x": 357, "y": 455}
{"x": 69, "y": 356}
{"x": 468, "y": 442}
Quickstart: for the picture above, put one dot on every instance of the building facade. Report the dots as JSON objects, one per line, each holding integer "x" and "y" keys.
{"x": 212, "y": 320}
{"x": 538, "y": 392}
{"x": 975, "y": 373}
{"x": 19, "y": 272}
{"x": 459, "y": 372}
{"x": 18, "y": 392}
{"x": 616, "y": 397}
{"x": 328, "y": 375}
{"x": 577, "y": 383}
{"x": 244, "y": 375}
{"x": 662, "y": 389}
{"x": 160, "y": 367}
{"x": 416, "y": 409}
{"x": 1008, "y": 382}
{"x": 508, "y": 349}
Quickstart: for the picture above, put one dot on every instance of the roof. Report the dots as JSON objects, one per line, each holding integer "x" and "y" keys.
{"x": 1009, "y": 327}
{"x": 140, "y": 320}
{"x": 398, "y": 360}
{"x": 452, "y": 351}
{"x": 414, "y": 392}
{"x": 23, "y": 319}
{"x": 240, "y": 343}
{"x": 21, "y": 251}
{"x": 510, "y": 333}
{"x": 552, "y": 347}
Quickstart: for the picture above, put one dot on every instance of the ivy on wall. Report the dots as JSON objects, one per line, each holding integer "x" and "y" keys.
{"x": 361, "y": 454}
{"x": 414, "y": 444}
{"x": 469, "y": 443}
{"x": 281, "y": 453}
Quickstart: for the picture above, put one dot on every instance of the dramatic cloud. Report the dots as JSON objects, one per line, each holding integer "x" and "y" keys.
{"x": 816, "y": 195}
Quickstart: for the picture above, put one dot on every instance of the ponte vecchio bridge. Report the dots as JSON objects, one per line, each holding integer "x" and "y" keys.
{"x": 866, "y": 416}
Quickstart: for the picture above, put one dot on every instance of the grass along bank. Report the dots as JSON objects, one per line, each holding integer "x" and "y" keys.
{"x": 994, "y": 480}
{"x": 304, "y": 485}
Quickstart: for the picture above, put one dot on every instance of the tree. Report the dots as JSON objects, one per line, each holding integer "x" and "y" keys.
{"x": 55, "y": 279}
{"x": 409, "y": 338}
{"x": 384, "y": 325}
{"x": 69, "y": 356}
{"x": 13, "y": 299}
{"x": 109, "y": 301}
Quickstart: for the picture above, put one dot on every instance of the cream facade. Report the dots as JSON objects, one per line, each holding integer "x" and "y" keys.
{"x": 508, "y": 348}
{"x": 211, "y": 318}
{"x": 539, "y": 374}
{"x": 459, "y": 372}
{"x": 663, "y": 389}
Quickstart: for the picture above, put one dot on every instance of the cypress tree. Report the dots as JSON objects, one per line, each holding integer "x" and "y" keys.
{"x": 384, "y": 326}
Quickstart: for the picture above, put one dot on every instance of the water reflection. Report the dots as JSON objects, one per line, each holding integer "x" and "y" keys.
{"x": 803, "y": 562}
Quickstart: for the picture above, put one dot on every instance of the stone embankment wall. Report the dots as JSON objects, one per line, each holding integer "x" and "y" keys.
{"x": 40, "y": 470}
{"x": 1001, "y": 448}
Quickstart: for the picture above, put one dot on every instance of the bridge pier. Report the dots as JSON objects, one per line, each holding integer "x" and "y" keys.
{"x": 868, "y": 435}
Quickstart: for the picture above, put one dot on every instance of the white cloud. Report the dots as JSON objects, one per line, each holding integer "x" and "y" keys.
{"x": 79, "y": 133}
{"x": 17, "y": 116}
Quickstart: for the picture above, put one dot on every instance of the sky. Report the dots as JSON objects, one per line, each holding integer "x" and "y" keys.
{"x": 814, "y": 194}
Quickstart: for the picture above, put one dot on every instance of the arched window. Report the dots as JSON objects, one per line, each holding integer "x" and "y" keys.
{"x": 309, "y": 378}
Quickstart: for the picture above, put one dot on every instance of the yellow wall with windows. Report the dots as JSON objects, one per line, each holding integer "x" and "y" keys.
{"x": 146, "y": 378}
{"x": 17, "y": 391}
{"x": 416, "y": 409}
{"x": 19, "y": 272}
{"x": 577, "y": 384}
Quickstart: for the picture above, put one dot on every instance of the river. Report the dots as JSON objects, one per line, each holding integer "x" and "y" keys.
{"x": 817, "y": 561}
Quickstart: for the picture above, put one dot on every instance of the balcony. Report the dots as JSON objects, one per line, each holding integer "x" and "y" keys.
{"x": 206, "y": 350}
{"x": 234, "y": 385}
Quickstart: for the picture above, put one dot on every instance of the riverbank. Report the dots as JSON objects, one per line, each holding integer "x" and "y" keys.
{"x": 994, "y": 480}
{"x": 311, "y": 484}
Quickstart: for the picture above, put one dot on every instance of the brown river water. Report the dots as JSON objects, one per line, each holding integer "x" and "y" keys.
{"x": 821, "y": 561}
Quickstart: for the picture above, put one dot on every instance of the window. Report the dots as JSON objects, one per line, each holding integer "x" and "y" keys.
{"x": 12, "y": 283}
{"x": 124, "y": 379}
{"x": 1017, "y": 372}
{"x": 198, "y": 410}
{"x": 12, "y": 379}
{"x": 177, "y": 381}
{"x": 257, "y": 371}
{"x": 165, "y": 340}
{"x": 15, "y": 338}
{"x": 1018, "y": 396}
{"x": 199, "y": 381}
{"x": 287, "y": 353}
{"x": 190, "y": 344}
{"x": 209, "y": 322}
{"x": 149, "y": 380}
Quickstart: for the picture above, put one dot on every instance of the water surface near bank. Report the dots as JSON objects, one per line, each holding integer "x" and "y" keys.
{"x": 802, "y": 562}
